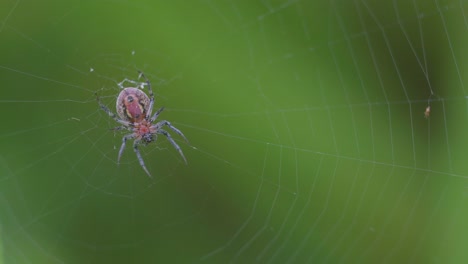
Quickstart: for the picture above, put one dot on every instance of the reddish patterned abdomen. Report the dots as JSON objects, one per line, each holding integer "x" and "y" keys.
{"x": 132, "y": 104}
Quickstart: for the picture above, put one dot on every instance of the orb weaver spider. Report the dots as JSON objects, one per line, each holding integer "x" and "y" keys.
{"x": 427, "y": 113}
{"x": 134, "y": 110}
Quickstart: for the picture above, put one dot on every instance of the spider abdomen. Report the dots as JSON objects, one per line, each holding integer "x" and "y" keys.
{"x": 132, "y": 104}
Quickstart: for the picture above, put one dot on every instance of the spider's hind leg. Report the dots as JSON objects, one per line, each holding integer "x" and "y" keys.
{"x": 150, "y": 92}
{"x": 109, "y": 112}
{"x": 155, "y": 116}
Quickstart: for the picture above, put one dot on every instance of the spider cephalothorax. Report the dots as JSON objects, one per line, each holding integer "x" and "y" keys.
{"x": 134, "y": 108}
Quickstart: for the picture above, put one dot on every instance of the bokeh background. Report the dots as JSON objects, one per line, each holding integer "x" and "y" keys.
{"x": 308, "y": 139}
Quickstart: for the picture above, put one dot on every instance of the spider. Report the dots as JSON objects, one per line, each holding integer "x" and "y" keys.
{"x": 134, "y": 110}
{"x": 427, "y": 113}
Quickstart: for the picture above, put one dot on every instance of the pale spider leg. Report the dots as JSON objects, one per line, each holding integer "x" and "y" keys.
{"x": 174, "y": 144}
{"x": 109, "y": 112}
{"x": 151, "y": 95}
{"x": 138, "y": 84}
{"x": 156, "y": 114}
{"x": 140, "y": 159}
{"x": 120, "y": 128}
{"x": 167, "y": 123}
{"x": 122, "y": 147}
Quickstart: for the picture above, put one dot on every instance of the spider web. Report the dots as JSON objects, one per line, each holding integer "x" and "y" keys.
{"x": 308, "y": 137}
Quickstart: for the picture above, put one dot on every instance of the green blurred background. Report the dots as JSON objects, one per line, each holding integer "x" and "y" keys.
{"x": 308, "y": 141}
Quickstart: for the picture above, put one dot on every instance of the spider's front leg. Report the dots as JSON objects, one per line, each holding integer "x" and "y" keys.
{"x": 158, "y": 130}
{"x": 140, "y": 159}
{"x": 122, "y": 147}
{"x": 174, "y": 144}
{"x": 173, "y": 128}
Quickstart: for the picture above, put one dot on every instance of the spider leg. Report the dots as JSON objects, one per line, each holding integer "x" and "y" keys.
{"x": 138, "y": 84}
{"x": 174, "y": 144}
{"x": 167, "y": 123}
{"x": 122, "y": 147}
{"x": 121, "y": 128}
{"x": 156, "y": 114}
{"x": 109, "y": 112}
{"x": 140, "y": 159}
{"x": 151, "y": 95}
